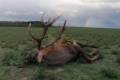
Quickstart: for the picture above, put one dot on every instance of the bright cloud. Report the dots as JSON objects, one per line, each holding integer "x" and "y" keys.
{"x": 78, "y": 12}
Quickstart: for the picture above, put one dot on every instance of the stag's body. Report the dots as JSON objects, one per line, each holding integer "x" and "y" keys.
{"x": 60, "y": 51}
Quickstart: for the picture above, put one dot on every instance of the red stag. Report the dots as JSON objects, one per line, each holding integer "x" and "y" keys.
{"x": 60, "y": 51}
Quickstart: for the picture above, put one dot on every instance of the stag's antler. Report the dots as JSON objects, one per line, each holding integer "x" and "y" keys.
{"x": 45, "y": 26}
{"x": 60, "y": 34}
{"x": 33, "y": 38}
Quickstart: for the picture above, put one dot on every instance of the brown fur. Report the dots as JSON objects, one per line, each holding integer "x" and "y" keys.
{"x": 61, "y": 51}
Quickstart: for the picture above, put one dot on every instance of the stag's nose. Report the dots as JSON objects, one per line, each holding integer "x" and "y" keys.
{"x": 39, "y": 56}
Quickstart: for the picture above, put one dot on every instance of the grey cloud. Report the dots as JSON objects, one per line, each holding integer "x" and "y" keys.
{"x": 101, "y": 0}
{"x": 97, "y": 13}
{"x": 104, "y": 17}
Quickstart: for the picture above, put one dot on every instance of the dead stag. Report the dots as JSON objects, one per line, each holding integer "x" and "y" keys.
{"x": 60, "y": 51}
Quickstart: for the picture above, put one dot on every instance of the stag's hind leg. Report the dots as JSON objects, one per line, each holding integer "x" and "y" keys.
{"x": 92, "y": 56}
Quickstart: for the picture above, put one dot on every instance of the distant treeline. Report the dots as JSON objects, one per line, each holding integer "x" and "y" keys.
{"x": 19, "y": 23}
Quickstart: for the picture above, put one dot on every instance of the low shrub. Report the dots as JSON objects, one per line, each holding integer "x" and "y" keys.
{"x": 109, "y": 73}
{"x": 19, "y": 57}
{"x": 118, "y": 59}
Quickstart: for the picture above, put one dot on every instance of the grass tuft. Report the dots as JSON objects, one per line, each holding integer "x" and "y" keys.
{"x": 109, "y": 73}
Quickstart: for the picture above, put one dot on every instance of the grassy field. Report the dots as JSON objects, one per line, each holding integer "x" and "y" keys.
{"x": 16, "y": 47}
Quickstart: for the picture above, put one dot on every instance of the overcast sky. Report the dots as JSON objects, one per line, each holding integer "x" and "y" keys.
{"x": 88, "y": 13}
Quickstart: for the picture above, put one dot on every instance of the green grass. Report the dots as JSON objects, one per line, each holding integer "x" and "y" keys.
{"x": 16, "y": 49}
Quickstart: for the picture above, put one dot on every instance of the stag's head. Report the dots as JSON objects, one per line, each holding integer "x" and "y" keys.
{"x": 43, "y": 50}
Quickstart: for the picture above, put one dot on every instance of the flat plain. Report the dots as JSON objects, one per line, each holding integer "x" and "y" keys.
{"x": 16, "y": 47}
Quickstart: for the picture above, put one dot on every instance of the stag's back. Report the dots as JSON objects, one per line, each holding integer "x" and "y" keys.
{"x": 60, "y": 53}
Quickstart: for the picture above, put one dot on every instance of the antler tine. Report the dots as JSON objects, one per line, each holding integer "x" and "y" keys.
{"x": 42, "y": 20}
{"x": 29, "y": 31}
{"x": 49, "y": 23}
{"x": 63, "y": 28}
{"x": 49, "y": 20}
{"x": 46, "y": 25}
{"x": 60, "y": 34}
{"x": 34, "y": 38}
{"x": 45, "y": 28}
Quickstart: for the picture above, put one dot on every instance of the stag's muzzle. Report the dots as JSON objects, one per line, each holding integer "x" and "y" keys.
{"x": 39, "y": 56}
